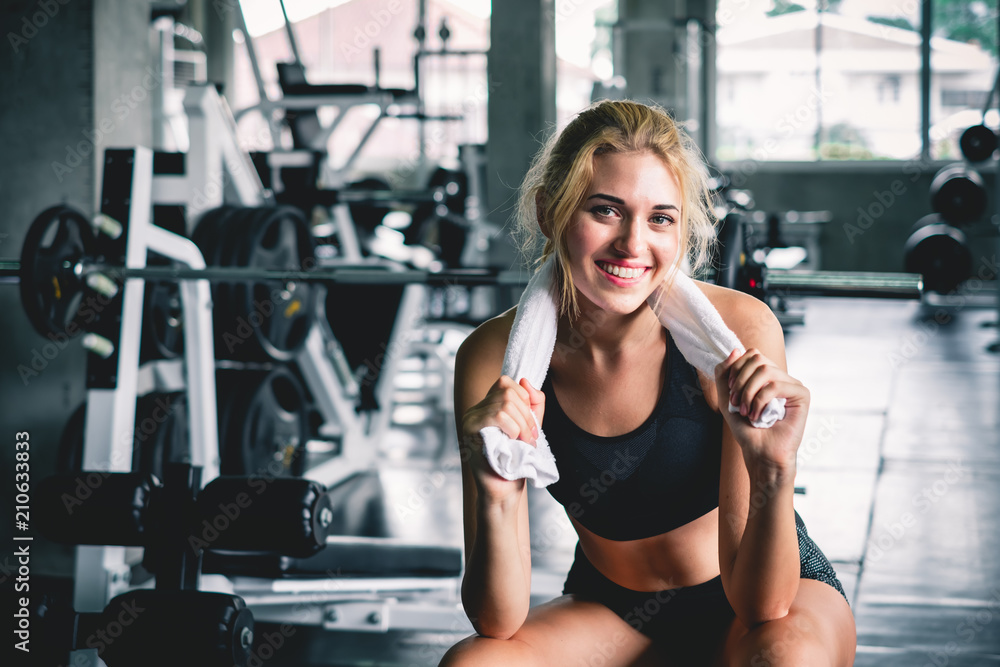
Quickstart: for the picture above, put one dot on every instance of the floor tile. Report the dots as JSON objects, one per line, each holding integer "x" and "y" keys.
{"x": 836, "y": 508}
{"x": 934, "y": 532}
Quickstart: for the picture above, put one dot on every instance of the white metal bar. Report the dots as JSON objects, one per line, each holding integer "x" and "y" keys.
{"x": 101, "y": 571}
{"x": 324, "y": 383}
{"x": 199, "y": 351}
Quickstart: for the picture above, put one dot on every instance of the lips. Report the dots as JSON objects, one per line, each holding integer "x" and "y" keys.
{"x": 623, "y": 272}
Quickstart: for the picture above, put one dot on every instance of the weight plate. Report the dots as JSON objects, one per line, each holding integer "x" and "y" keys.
{"x": 51, "y": 293}
{"x": 229, "y": 335}
{"x": 978, "y": 143}
{"x": 160, "y": 435}
{"x": 263, "y": 422}
{"x": 162, "y": 321}
{"x": 941, "y": 255}
{"x": 279, "y": 315}
{"x": 207, "y": 233}
{"x": 958, "y": 194}
{"x": 210, "y": 235}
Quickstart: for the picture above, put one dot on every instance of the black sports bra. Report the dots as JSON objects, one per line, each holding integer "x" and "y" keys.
{"x": 658, "y": 477}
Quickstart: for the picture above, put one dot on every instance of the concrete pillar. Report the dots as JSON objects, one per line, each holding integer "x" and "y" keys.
{"x": 521, "y": 70}
{"x": 651, "y": 45}
{"x": 666, "y": 53}
{"x": 73, "y": 81}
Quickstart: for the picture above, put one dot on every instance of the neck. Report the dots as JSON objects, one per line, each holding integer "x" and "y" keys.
{"x": 602, "y": 335}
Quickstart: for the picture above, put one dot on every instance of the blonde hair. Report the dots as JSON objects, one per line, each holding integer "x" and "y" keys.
{"x": 561, "y": 174}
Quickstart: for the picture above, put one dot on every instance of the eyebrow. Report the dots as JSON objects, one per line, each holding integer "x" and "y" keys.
{"x": 621, "y": 202}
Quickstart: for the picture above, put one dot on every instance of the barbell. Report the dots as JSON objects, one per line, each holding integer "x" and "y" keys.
{"x": 60, "y": 276}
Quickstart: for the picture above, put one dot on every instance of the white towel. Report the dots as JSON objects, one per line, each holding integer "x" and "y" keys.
{"x": 694, "y": 323}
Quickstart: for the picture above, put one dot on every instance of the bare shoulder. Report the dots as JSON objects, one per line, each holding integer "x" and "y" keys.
{"x": 750, "y": 319}
{"x": 483, "y": 350}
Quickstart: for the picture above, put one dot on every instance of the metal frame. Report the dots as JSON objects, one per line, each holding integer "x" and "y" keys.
{"x": 214, "y": 163}
{"x": 101, "y": 571}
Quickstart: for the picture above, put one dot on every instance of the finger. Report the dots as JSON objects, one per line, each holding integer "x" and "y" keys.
{"x": 513, "y": 424}
{"x": 741, "y": 373}
{"x": 534, "y": 395}
{"x": 536, "y": 404}
{"x": 794, "y": 393}
{"x": 507, "y": 383}
{"x": 759, "y": 376}
{"x": 727, "y": 363}
{"x": 522, "y": 393}
{"x": 521, "y": 411}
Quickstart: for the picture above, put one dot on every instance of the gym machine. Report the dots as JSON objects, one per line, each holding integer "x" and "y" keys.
{"x": 79, "y": 299}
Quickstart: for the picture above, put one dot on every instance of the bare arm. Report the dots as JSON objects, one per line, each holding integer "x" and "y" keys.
{"x": 758, "y": 544}
{"x": 497, "y": 582}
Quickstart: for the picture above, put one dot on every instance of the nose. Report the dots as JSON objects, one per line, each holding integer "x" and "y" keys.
{"x": 631, "y": 239}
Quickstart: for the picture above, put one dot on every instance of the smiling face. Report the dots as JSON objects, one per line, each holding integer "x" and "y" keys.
{"x": 623, "y": 239}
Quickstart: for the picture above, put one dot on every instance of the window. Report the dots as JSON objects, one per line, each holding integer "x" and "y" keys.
{"x": 888, "y": 90}
{"x": 963, "y": 65}
{"x": 841, "y": 79}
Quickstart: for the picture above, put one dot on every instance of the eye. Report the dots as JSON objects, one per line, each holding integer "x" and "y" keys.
{"x": 603, "y": 210}
{"x": 663, "y": 220}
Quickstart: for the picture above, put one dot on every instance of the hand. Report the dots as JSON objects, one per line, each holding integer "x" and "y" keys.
{"x": 508, "y": 406}
{"x": 750, "y": 381}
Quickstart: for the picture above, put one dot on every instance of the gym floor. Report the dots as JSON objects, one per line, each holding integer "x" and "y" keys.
{"x": 900, "y": 466}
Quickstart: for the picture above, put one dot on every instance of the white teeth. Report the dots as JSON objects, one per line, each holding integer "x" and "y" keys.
{"x": 621, "y": 271}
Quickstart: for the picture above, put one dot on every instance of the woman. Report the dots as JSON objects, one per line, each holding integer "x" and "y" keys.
{"x": 690, "y": 552}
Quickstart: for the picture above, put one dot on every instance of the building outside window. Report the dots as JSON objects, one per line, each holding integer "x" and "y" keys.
{"x": 828, "y": 80}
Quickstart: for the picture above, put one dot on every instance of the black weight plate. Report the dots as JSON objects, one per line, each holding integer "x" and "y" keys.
{"x": 929, "y": 219}
{"x": 50, "y": 293}
{"x": 160, "y": 432}
{"x": 958, "y": 194}
{"x": 229, "y": 337}
{"x": 279, "y": 314}
{"x": 941, "y": 255}
{"x": 978, "y": 143}
{"x": 160, "y": 435}
{"x": 209, "y": 236}
{"x": 162, "y": 321}
{"x": 207, "y": 232}
{"x": 265, "y": 424}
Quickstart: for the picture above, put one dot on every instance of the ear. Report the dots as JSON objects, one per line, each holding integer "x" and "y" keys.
{"x": 543, "y": 224}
